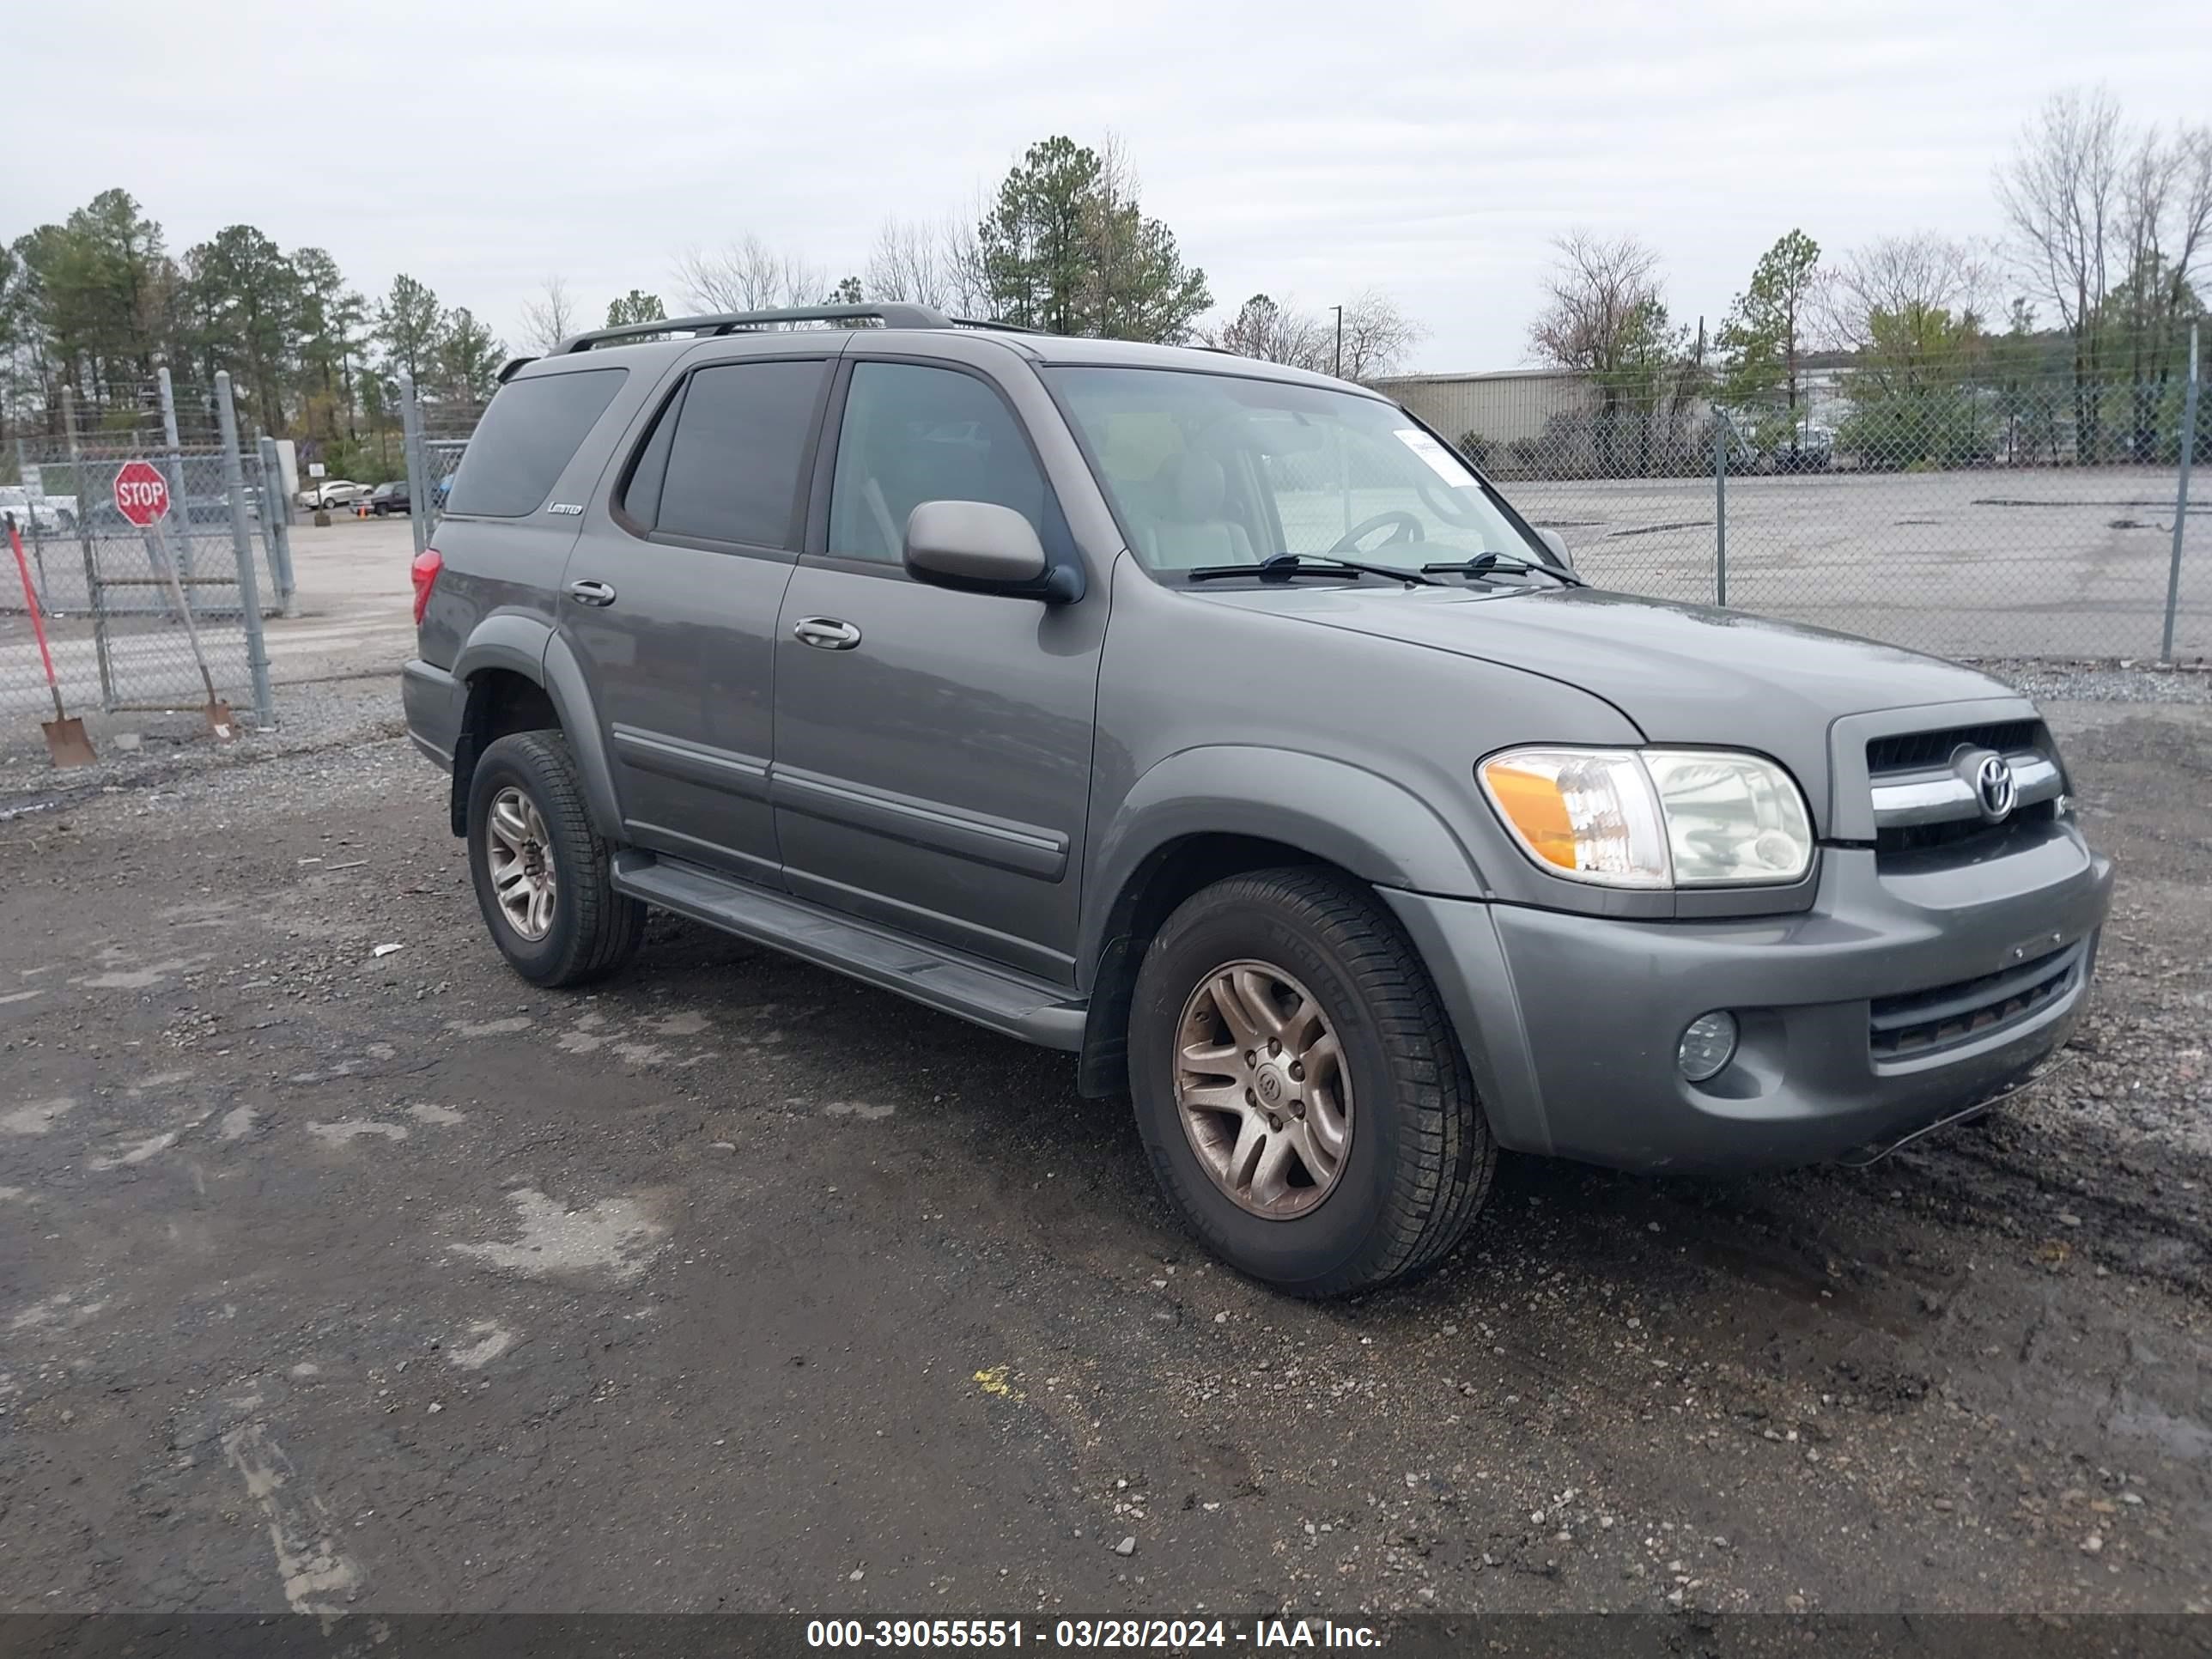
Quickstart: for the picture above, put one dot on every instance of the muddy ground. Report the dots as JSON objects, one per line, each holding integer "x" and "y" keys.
{"x": 337, "y": 1279}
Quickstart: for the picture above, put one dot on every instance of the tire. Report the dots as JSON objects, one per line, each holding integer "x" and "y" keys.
{"x": 593, "y": 931}
{"x": 1418, "y": 1157}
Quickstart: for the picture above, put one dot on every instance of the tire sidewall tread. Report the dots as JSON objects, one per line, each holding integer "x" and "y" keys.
{"x": 1421, "y": 1156}
{"x": 595, "y": 929}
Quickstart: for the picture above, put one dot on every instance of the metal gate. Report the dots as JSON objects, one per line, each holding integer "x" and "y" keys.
{"x": 116, "y": 637}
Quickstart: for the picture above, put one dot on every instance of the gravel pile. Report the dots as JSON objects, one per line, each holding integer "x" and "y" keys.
{"x": 2101, "y": 682}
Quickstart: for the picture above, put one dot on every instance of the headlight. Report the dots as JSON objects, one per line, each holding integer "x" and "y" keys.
{"x": 1654, "y": 818}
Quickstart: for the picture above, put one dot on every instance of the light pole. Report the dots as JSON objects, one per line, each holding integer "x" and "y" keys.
{"x": 1340, "y": 342}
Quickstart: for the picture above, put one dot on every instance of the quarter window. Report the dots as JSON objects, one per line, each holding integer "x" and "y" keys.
{"x": 527, "y": 436}
{"x": 913, "y": 434}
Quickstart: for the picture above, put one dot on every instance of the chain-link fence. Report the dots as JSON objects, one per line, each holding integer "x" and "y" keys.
{"x": 1946, "y": 506}
{"x": 115, "y": 598}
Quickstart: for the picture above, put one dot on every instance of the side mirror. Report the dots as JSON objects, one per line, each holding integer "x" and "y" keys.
{"x": 1558, "y": 544}
{"x": 980, "y": 547}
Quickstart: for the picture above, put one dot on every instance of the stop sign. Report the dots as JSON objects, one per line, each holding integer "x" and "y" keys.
{"x": 142, "y": 495}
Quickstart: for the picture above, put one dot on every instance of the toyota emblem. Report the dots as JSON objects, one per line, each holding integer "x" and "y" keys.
{"x": 1994, "y": 788}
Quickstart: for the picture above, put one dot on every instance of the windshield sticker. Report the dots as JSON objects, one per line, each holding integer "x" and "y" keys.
{"x": 1442, "y": 461}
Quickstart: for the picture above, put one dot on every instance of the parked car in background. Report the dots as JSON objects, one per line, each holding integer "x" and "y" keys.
{"x": 389, "y": 497}
{"x": 1808, "y": 448}
{"x": 331, "y": 492}
{"x": 1214, "y": 722}
{"x": 25, "y": 511}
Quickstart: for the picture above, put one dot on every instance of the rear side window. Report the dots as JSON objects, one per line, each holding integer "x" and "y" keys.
{"x": 733, "y": 459}
{"x": 528, "y": 434}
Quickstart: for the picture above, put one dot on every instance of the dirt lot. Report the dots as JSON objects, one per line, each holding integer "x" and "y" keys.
{"x": 332, "y": 1279}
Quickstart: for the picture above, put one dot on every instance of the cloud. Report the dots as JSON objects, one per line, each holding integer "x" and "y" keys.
{"x": 1297, "y": 148}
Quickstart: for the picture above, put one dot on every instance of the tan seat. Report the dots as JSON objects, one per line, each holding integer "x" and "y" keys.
{"x": 1190, "y": 529}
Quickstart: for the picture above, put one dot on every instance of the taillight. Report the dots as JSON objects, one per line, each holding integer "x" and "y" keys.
{"x": 425, "y": 570}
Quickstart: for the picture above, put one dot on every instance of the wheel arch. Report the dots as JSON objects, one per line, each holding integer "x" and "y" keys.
{"x": 1204, "y": 815}
{"x": 519, "y": 675}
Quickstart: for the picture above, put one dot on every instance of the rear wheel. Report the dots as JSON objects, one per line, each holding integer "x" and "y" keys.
{"x": 1300, "y": 1095}
{"x": 541, "y": 871}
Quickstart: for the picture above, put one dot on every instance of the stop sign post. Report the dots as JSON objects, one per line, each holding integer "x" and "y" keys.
{"x": 142, "y": 494}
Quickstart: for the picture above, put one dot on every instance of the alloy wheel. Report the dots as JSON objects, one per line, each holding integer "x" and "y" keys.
{"x": 520, "y": 859}
{"x": 1262, "y": 1090}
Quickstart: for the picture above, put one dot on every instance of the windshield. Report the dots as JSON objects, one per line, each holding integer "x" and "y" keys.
{"x": 1210, "y": 470}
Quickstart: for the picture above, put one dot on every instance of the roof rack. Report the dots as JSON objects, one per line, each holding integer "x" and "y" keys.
{"x": 992, "y": 324}
{"x": 890, "y": 314}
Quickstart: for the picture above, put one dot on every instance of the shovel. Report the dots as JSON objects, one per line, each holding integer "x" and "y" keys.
{"x": 65, "y": 739}
{"x": 220, "y": 721}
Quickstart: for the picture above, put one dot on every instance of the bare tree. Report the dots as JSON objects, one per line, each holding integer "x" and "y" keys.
{"x": 2165, "y": 232}
{"x": 1601, "y": 292}
{"x": 1273, "y": 332}
{"x": 1378, "y": 337}
{"x": 1607, "y": 318}
{"x": 2061, "y": 193}
{"x": 1924, "y": 274}
{"x": 550, "y": 317}
{"x": 907, "y": 264}
{"x": 747, "y": 275}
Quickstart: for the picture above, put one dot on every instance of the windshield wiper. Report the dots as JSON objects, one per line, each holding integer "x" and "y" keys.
{"x": 1283, "y": 566}
{"x": 1484, "y": 564}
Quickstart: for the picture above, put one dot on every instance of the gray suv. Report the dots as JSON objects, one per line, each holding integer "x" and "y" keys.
{"x": 1214, "y": 722}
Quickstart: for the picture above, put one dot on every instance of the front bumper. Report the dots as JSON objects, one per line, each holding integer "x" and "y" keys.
{"x": 1570, "y": 1023}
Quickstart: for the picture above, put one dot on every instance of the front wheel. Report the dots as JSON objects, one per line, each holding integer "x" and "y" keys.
{"x": 1300, "y": 1095}
{"x": 541, "y": 871}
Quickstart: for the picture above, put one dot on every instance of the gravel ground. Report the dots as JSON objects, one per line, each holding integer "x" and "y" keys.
{"x": 335, "y": 1276}
{"x": 2060, "y": 680}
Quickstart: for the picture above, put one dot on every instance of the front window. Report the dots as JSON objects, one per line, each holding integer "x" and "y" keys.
{"x": 1210, "y": 470}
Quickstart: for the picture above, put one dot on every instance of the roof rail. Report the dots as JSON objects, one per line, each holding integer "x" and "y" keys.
{"x": 891, "y": 315}
{"x": 993, "y": 325}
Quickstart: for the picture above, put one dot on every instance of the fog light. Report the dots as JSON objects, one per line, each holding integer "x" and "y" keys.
{"x": 1708, "y": 1044}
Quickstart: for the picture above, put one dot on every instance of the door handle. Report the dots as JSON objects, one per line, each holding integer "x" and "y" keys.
{"x": 825, "y": 633}
{"x": 591, "y": 592}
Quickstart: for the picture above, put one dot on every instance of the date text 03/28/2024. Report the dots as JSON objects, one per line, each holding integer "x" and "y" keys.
{"x": 1168, "y": 1635}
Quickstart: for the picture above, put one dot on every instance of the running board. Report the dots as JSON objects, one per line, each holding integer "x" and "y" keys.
{"x": 1012, "y": 1003}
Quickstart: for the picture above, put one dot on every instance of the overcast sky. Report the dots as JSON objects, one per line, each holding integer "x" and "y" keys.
{"x": 1308, "y": 150}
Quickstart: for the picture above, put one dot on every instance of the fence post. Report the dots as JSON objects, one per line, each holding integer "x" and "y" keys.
{"x": 95, "y": 600}
{"x": 2181, "y": 497}
{"x": 418, "y": 470}
{"x": 276, "y": 525}
{"x": 241, "y": 542}
{"x": 173, "y": 468}
{"x": 1719, "y": 508}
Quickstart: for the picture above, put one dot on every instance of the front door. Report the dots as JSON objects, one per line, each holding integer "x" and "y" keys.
{"x": 933, "y": 748}
{"x": 671, "y": 602}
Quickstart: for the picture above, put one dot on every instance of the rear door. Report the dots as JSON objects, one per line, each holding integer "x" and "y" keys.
{"x": 671, "y": 597}
{"x": 933, "y": 748}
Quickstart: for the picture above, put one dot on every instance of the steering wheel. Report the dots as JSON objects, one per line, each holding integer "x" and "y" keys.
{"x": 1409, "y": 530}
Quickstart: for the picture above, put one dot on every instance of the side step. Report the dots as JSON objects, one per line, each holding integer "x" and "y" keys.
{"x": 1003, "y": 1001}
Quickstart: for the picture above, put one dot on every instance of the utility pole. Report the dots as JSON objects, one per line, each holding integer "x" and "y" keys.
{"x": 1340, "y": 342}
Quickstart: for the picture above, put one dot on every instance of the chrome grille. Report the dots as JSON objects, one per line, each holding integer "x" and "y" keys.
{"x": 1924, "y": 794}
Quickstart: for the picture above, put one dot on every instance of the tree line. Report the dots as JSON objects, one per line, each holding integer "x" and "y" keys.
{"x": 98, "y": 303}
{"x": 2108, "y": 229}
